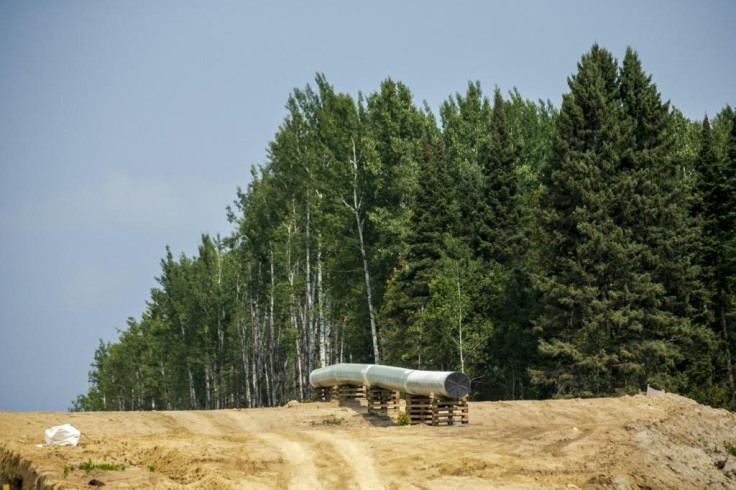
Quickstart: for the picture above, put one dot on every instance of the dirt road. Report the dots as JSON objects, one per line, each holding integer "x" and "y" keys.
{"x": 644, "y": 442}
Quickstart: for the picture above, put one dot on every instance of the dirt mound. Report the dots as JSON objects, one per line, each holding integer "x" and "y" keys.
{"x": 628, "y": 442}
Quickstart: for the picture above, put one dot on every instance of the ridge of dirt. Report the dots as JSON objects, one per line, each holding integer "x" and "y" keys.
{"x": 628, "y": 442}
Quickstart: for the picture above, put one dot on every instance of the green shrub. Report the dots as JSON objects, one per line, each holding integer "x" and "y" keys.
{"x": 333, "y": 420}
{"x": 730, "y": 449}
{"x": 89, "y": 466}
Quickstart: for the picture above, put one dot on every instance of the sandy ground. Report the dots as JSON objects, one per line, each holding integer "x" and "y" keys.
{"x": 628, "y": 442}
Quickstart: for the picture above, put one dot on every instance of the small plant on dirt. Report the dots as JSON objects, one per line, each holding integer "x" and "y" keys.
{"x": 403, "y": 419}
{"x": 89, "y": 466}
{"x": 151, "y": 468}
{"x": 730, "y": 449}
{"x": 333, "y": 420}
{"x": 66, "y": 471}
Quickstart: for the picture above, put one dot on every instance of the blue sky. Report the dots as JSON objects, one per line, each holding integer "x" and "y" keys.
{"x": 127, "y": 126}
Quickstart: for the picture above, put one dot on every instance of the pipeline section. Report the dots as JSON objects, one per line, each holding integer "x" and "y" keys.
{"x": 450, "y": 384}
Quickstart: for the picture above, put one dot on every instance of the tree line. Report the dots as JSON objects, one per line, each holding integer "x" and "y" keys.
{"x": 574, "y": 252}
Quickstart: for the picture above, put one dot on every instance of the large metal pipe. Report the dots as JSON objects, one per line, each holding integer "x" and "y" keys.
{"x": 451, "y": 384}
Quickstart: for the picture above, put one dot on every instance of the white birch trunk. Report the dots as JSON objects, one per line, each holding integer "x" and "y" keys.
{"x": 308, "y": 300}
{"x": 320, "y": 299}
{"x": 460, "y": 320}
{"x": 190, "y": 377}
{"x": 299, "y": 365}
{"x": 220, "y": 330}
{"x": 207, "y": 387}
{"x": 243, "y": 341}
{"x": 293, "y": 308}
{"x": 254, "y": 321}
{"x": 192, "y": 393}
{"x": 271, "y": 342}
{"x": 355, "y": 207}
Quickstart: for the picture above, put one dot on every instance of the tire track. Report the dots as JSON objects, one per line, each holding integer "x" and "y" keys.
{"x": 299, "y": 457}
{"x": 356, "y": 456}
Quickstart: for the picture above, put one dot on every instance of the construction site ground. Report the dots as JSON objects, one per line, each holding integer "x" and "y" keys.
{"x": 629, "y": 442}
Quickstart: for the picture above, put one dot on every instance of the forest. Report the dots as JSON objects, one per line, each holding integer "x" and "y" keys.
{"x": 580, "y": 251}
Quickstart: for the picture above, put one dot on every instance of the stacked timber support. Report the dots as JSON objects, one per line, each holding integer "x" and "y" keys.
{"x": 324, "y": 393}
{"x": 350, "y": 392}
{"x": 450, "y": 411}
{"x": 382, "y": 401}
{"x": 419, "y": 409}
{"x": 435, "y": 410}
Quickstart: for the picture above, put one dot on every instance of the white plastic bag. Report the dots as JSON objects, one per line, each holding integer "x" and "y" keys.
{"x": 62, "y": 435}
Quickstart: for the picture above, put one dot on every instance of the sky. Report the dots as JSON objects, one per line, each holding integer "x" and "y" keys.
{"x": 128, "y": 126}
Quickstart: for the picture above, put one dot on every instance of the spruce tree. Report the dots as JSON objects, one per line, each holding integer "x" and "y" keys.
{"x": 498, "y": 226}
{"x": 714, "y": 206}
{"x": 433, "y": 219}
{"x": 498, "y": 246}
{"x": 727, "y": 315}
{"x": 705, "y": 208}
{"x": 653, "y": 209}
{"x": 589, "y": 282}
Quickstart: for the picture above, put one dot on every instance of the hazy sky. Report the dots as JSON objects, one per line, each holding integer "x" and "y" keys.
{"x": 126, "y": 126}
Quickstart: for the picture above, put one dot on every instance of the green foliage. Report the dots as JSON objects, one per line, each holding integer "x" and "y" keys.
{"x": 89, "y": 466}
{"x": 730, "y": 448}
{"x": 403, "y": 419}
{"x": 332, "y": 420}
{"x": 713, "y": 208}
{"x": 614, "y": 286}
{"x": 579, "y": 252}
{"x": 416, "y": 326}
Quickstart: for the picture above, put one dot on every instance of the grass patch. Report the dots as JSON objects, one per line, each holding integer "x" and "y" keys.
{"x": 403, "y": 419}
{"x": 730, "y": 449}
{"x": 331, "y": 420}
{"x": 89, "y": 466}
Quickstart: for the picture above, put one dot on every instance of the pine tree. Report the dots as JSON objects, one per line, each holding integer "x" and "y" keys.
{"x": 432, "y": 224}
{"x": 727, "y": 315}
{"x": 714, "y": 206}
{"x": 617, "y": 274}
{"x": 512, "y": 344}
{"x": 587, "y": 259}
{"x": 653, "y": 210}
{"x": 498, "y": 228}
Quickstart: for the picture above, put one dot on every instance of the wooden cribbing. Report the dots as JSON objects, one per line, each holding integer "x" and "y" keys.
{"x": 433, "y": 410}
{"x": 382, "y": 401}
{"x": 324, "y": 393}
{"x": 419, "y": 409}
{"x": 350, "y": 392}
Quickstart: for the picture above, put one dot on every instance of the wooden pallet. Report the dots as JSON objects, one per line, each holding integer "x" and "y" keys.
{"x": 453, "y": 411}
{"x": 324, "y": 394}
{"x": 432, "y": 410}
{"x": 419, "y": 409}
{"x": 350, "y": 392}
{"x": 382, "y": 401}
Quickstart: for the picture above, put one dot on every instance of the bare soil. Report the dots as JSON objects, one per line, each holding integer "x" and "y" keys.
{"x": 628, "y": 442}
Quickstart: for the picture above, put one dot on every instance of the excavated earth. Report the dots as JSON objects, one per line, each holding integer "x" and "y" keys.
{"x": 628, "y": 442}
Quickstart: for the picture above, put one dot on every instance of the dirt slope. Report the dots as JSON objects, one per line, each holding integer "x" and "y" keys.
{"x": 645, "y": 442}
